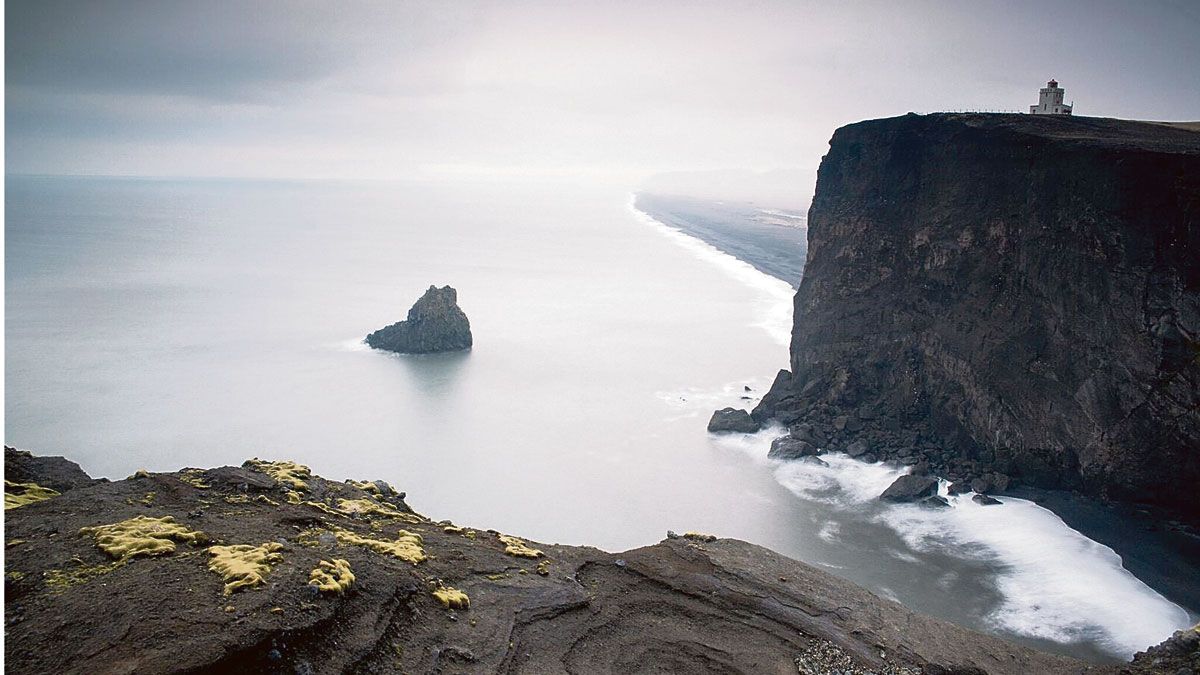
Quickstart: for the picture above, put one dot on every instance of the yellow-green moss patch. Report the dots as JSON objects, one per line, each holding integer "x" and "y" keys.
{"x": 332, "y": 577}
{"x": 407, "y": 545}
{"x": 17, "y": 495}
{"x": 242, "y": 565}
{"x": 699, "y": 536}
{"x": 294, "y": 497}
{"x": 366, "y": 507}
{"x": 289, "y": 473}
{"x": 452, "y": 598}
{"x": 59, "y": 580}
{"x": 517, "y": 546}
{"x": 195, "y": 478}
{"x": 237, "y": 499}
{"x": 142, "y": 535}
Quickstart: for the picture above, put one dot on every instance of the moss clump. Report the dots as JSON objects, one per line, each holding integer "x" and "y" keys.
{"x": 699, "y": 536}
{"x": 242, "y": 565}
{"x": 142, "y": 535}
{"x": 517, "y": 546}
{"x": 17, "y": 495}
{"x": 294, "y": 497}
{"x": 195, "y": 478}
{"x": 289, "y": 473}
{"x": 331, "y": 577}
{"x": 366, "y": 507}
{"x": 324, "y": 507}
{"x": 237, "y": 499}
{"x": 59, "y": 580}
{"x": 452, "y": 598}
{"x": 406, "y": 547}
{"x": 543, "y": 568}
{"x": 367, "y": 486}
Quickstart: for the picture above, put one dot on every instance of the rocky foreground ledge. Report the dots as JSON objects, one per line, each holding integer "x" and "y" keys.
{"x": 268, "y": 568}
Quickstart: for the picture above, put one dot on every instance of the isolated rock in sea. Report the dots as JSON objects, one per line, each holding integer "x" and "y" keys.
{"x": 1011, "y": 294}
{"x": 732, "y": 419}
{"x": 910, "y": 488}
{"x": 786, "y": 447}
{"x": 986, "y": 500}
{"x": 434, "y": 324}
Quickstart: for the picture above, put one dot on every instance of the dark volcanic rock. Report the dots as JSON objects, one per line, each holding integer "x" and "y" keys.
{"x": 690, "y": 604}
{"x": 732, "y": 419}
{"x": 786, "y": 447}
{"x": 910, "y": 488}
{"x": 58, "y": 473}
{"x": 1018, "y": 291}
{"x": 986, "y": 500}
{"x": 434, "y": 324}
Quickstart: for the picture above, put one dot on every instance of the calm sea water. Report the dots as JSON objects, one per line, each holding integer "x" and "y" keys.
{"x": 163, "y": 324}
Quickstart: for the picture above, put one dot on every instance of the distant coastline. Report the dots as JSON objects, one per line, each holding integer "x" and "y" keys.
{"x": 773, "y": 241}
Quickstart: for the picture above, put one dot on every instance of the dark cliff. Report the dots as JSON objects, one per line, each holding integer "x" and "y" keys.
{"x": 1007, "y": 293}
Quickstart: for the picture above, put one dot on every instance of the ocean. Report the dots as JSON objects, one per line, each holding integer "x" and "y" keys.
{"x": 161, "y": 323}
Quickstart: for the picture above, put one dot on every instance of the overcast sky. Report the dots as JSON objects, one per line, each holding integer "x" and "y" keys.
{"x": 579, "y": 89}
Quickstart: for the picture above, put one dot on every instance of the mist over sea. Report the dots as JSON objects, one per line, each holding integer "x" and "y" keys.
{"x": 160, "y": 324}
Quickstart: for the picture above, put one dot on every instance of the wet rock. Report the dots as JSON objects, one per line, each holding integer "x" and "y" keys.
{"x": 935, "y": 501}
{"x": 732, "y": 419}
{"x": 786, "y": 447}
{"x": 985, "y": 500}
{"x": 910, "y": 488}
{"x": 857, "y": 448}
{"x": 434, "y": 324}
{"x": 959, "y": 487}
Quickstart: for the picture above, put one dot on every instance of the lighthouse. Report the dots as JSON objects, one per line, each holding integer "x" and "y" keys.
{"x": 1050, "y": 102}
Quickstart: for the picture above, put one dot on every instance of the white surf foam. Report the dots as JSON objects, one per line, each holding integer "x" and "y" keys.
{"x": 1056, "y": 584}
{"x": 773, "y": 307}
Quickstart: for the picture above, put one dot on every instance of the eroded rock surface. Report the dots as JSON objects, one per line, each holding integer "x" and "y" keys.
{"x": 693, "y": 603}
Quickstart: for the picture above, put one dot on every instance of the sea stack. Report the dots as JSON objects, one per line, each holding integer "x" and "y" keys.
{"x": 434, "y": 324}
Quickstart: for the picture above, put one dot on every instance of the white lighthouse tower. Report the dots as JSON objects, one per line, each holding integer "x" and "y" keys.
{"x": 1051, "y": 101}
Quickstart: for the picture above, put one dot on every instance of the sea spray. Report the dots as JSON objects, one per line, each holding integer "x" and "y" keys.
{"x": 1046, "y": 573}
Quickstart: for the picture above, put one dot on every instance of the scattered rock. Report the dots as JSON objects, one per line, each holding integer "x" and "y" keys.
{"x": 732, "y": 419}
{"x": 959, "y": 487}
{"x": 985, "y": 500}
{"x": 434, "y": 324}
{"x": 936, "y": 501}
{"x": 786, "y": 447}
{"x": 857, "y": 448}
{"x": 910, "y": 488}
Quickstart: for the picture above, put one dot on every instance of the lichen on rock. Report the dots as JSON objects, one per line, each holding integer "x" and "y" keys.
{"x": 517, "y": 547}
{"x": 289, "y": 473}
{"x": 242, "y": 565}
{"x": 17, "y": 495}
{"x": 452, "y": 598}
{"x": 366, "y": 507}
{"x": 332, "y": 577}
{"x": 407, "y": 545}
{"x": 141, "y": 536}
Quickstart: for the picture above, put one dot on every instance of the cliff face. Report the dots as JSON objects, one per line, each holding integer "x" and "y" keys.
{"x": 1007, "y": 293}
